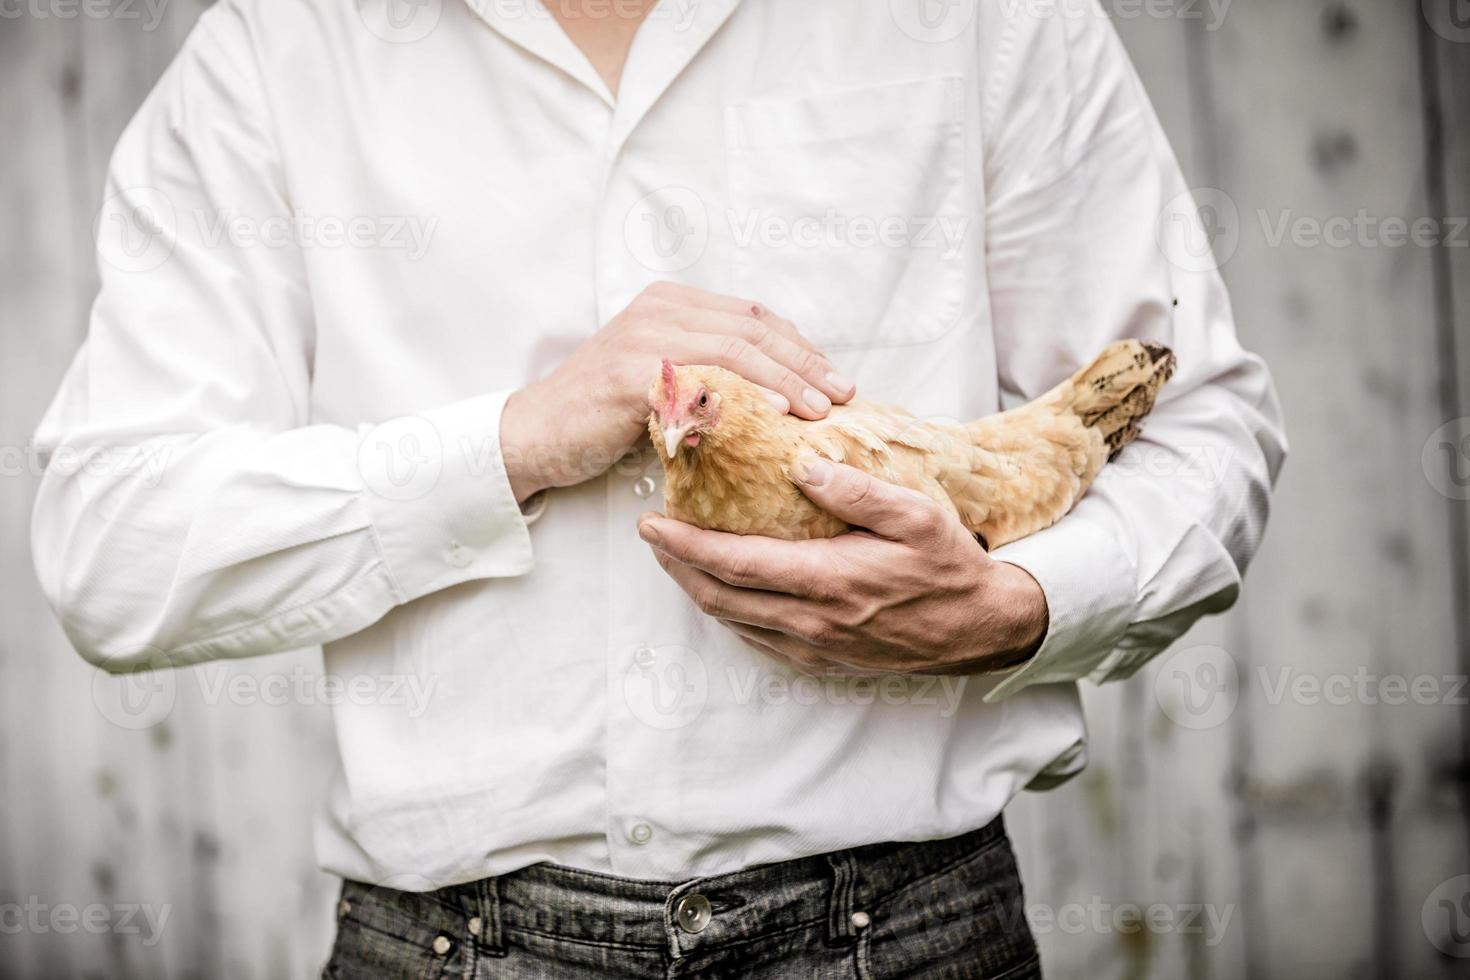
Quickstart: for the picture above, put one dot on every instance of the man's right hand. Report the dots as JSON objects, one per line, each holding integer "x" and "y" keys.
{"x": 575, "y": 423}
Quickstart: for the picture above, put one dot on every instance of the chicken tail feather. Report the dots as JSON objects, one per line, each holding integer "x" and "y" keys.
{"x": 1116, "y": 391}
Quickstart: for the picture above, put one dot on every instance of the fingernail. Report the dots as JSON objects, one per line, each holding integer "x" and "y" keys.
{"x": 812, "y": 469}
{"x": 778, "y": 401}
{"x": 840, "y": 381}
{"x": 815, "y": 400}
{"x": 649, "y": 533}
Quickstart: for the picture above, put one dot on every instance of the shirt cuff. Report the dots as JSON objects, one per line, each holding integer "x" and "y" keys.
{"x": 1090, "y": 587}
{"x": 441, "y": 502}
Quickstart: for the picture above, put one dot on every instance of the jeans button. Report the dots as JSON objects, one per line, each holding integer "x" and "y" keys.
{"x": 693, "y": 913}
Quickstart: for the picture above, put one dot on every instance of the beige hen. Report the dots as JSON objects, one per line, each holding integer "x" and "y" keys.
{"x": 727, "y": 452}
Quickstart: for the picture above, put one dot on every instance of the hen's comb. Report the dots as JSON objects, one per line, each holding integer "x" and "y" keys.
{"x": 671, "y": 388}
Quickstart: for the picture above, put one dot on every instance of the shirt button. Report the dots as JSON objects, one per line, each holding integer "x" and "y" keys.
{"x": 644, "y": 486}
{"x": 442, "y": 945}
{"x": 459, "y": 555}
{"x": 861, "y": 920}
{"x": 645, "y": 657}
{"x": 640, "y": 833}
{"x": 477, "y": 925}
{"x": 693, "y": 913}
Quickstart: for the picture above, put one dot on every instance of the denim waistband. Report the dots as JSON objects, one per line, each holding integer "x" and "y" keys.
{"x": 677, "y": 918}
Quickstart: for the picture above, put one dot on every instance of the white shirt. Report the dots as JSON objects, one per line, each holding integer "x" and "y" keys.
{"x": 338, "y": 234}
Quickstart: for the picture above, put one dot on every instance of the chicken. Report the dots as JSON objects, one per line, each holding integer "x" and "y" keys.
{"x": 727, "y": 452}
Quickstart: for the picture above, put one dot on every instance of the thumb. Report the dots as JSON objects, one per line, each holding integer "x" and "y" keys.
{"x": 884, "y": 508}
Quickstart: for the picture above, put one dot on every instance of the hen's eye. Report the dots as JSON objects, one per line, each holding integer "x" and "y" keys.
{"x": 703, "y": 399}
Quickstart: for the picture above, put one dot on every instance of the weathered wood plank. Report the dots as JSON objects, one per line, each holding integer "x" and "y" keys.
{"x": 204, "y": 817}
{"x": 1319, "y": 115}
{"x": 1445, "y": 79}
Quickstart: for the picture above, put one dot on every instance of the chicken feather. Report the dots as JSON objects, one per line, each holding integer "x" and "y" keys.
{"x": 727, "y": 452}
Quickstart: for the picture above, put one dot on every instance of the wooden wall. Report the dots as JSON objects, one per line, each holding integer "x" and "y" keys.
{"x": 1273, "y": 836}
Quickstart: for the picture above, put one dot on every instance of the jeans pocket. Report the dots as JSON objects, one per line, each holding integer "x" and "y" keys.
{"x": 965, "y": 921}
{"x": 376, "y": 939}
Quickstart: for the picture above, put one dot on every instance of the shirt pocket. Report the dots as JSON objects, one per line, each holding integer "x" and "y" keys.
{"x": 848, "y": 210}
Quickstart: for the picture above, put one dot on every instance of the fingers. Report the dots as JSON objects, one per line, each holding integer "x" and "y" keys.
{"x": 720, "y": 600}
{"x": 745, "y": 561}
{"x": 789, "y": 650}
{"x": 754, "y": 364}
{"x": 772, "y": 334}
{"x": 890, "y": 511}
{"x": 811, "y": 366}
{"x": 734, "y": 305}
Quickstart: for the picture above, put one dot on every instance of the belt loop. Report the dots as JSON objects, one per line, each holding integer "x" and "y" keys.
{"x": 487, "y": 895}
{"x": 840, "y": 929}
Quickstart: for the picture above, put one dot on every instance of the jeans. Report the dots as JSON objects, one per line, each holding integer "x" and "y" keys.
{"x": 949, "y": 908}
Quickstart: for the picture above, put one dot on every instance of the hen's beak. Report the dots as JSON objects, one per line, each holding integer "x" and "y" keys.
{"x": 674, "y": 434}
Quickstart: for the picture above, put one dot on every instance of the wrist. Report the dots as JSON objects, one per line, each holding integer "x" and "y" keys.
{"x": 1022, "y": 610}
{"x": 525, "y": 444}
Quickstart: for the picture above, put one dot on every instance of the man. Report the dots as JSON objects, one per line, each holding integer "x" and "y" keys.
{"x": 383, "y": 291}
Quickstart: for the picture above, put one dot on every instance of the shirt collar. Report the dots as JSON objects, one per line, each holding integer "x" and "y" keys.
{"x": 667, "y": 41}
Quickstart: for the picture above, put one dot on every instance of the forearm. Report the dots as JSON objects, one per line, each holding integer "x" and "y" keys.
{"x": 1162, "y": 538}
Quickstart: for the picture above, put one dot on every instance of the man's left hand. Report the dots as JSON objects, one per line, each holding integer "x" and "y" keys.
{"x": 909, "y": 590}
